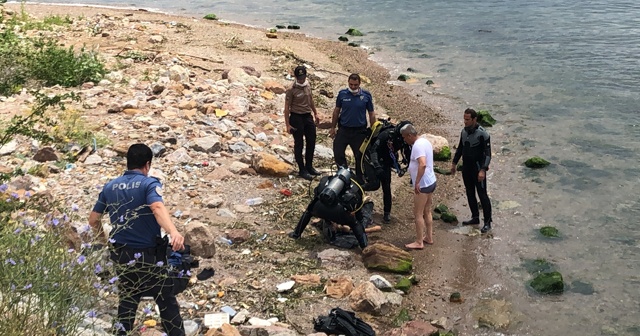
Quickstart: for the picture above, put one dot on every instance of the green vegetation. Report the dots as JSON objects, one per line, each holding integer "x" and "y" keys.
{"x": 354, "y": 32}
{"x": 548, "y": 283}
{"x": 403, "y": 316}
{"x": 550, "y": 232}
{"x": 536, "y": 162}
{"x": 443, "y": 155}
{"x": 210, "y": 17}
{"x": 33, "y": 61}
{"x": 485, "y": 119}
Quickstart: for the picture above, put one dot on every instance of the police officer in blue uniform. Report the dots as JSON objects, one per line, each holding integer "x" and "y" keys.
{"x": 137, "y": 213}
{"x": 475, "y": 150}
{"x": 350, "y": 116}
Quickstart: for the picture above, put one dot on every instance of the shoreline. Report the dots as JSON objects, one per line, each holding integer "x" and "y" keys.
{"x": 456, "y": 263}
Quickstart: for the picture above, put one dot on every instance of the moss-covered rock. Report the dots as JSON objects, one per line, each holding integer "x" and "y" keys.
{"x": 403, "y": 316}
{"x": 443, "y": 155}
{"x": 441, "y": 208}
{"x": 548, "y": 283}
{"x": 343, "y": 38}
{"x": 353, "y": 44}
{"x": 281, "y": 26}
{"x": 412, "y": 70}
{"x": 455, "y": 297}
{"x": 293, "y": 27}
{"x": 550, "y": 232}
{"x": 442, "y": 171}
{"x": 354, "y": 32}
{"x": 404, "y": 285}
{"x": 448, "y": 217}
{"x": 403, "y": 77}
{"x": 429, "y": 82}
{"x": 536, "y": 162}
{"x": 485, "y": 119}
{"x": 387, "y": 257}
{"x": 211, "y": 17}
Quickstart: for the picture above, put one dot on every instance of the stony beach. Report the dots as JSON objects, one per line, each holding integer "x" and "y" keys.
{"x": 207, "y": 96}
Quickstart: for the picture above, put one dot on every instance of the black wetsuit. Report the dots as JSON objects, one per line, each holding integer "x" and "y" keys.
{"x": 383, "y": 156}
{"x": 475, "y": 150}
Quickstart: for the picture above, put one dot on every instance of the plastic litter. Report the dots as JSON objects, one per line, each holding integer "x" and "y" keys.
{"x": 177, "y": 214}
{"x": 226, "y": 240}
{"x": 229, "y": 311}
{"x": 286, "y": 192}
{"x": 254, "y": 201}
{"x": 264, "y": 236}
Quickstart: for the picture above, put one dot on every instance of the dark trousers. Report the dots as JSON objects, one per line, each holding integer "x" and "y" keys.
{"x": 142, "y": 277}
{"x": 352, "y": 137}
{"x": 304, "y": 128}
{"x": 471, "y": 185}
{"x": 375, "y": 181}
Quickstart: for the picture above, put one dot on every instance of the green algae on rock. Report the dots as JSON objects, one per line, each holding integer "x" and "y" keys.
{"x": 536, "y": 162}
{"x": 354, "y": 32}
{"x": 548, "y": 283}
{"x": 443, "y": 155}
{"x": 550, "y": 232}
{"x": 485, "y": 119}
{"x": 210, "y": 17}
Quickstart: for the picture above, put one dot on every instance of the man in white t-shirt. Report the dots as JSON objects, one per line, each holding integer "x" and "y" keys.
{"x": 424, "y": 184}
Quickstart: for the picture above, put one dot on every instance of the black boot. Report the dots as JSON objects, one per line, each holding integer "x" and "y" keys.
{"x": 312, "y": 171}
{"x": 302, "y": 224}
{"x": 472, "y": 221}
{"x": 305, "y": 175}
{"x": 486, "y": 227}
{"x": 387, "y": 217}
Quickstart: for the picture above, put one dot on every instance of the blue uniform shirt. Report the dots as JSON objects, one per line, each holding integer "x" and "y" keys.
{"x": 127, "y": 200}
{"x": 354, "y": 107}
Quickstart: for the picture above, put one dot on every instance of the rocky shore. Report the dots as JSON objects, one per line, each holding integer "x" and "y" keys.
{"x": 207, "y": 96}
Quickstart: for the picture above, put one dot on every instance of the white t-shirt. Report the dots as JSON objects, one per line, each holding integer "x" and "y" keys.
{"x": 422, "y": 148}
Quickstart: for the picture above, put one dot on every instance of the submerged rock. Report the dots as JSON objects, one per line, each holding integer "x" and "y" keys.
{"x": 548, "y": 283}
{"x": 354, "y": 32}
{"x": 550, "y": 232}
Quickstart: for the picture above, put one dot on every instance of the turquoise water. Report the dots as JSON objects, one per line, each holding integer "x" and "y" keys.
{"x": 561, "y": 77}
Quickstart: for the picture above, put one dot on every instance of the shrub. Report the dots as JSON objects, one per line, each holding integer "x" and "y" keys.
{"x": 46, "y": 288}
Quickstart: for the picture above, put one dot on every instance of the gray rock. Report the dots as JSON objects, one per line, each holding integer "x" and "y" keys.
{"x": 208, "y": 144}
{"x": 214, "y": 201}
{"x": 131, "y": 104}
{"x": 201, "y": 237}
{"x": 240, "y": 147}
{"x": 104, "y": 82}
{"x": 381, "y": 283}
{"x": 179, "y": 156}
{"x": 8, "y": 148}
{"x": 241, "y": 317}
{"x": 158, "y": 149}
{"x": 226, "y": 213}
{"x": 191, "y": 328}
{"x": 93, "y": 159}
{"x": 323, "y": 152}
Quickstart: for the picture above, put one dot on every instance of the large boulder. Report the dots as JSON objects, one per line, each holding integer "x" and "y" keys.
{"x": 384, "y": 256}
{"x": 441, "y": 149}
{"x": 267, "y": 164}
{"x": 239, "y": 75}
{"x": 369, "y": 299}
{"x": 273, "y": 86}
{"x": 201, "y": 238}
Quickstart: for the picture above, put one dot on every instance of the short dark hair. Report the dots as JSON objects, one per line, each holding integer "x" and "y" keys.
{"x": 138, "y": 155}
{"x": 471, "y": 112}
{"x": 354, "y": 76}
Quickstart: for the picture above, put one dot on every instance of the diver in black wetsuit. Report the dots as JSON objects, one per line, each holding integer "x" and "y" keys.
{"x": 475, "y": 150}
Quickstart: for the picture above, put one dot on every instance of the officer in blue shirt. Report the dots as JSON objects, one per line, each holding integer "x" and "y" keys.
{"x": 136, "y": 212}
{"x": 350, "y": 115}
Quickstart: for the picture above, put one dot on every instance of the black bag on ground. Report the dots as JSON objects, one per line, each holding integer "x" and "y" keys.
{"x": 180, "y": 264}
{"x": 342, "y": 322}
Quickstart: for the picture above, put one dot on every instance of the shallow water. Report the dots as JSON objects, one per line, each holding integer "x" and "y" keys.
{"x": 561, "y": 78}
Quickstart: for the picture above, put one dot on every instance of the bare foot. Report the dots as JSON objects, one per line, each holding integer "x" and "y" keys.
{"x": 415, "y": 246}
{"x": 424, "y": 240}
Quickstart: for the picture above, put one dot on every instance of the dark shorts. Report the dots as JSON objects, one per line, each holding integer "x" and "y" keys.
{"x": 428, "y": 189}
